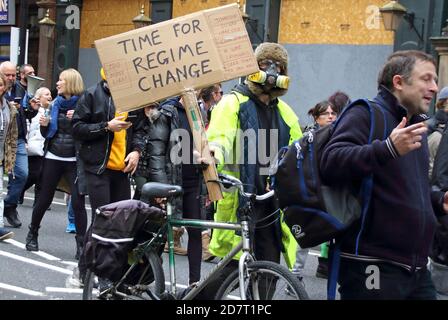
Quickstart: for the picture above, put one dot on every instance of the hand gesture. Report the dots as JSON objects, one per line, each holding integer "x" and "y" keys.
{"x": 202, "y": 161}
{"x": 35, "y": 103}
{"x": 445, "y": 202}
{"x": 70, "y": 114}
{"x": 117, "y": 124}
{"x": 44, "y": 121}
{"x": 131, "y": 162}
{"x": 406, "y": 139}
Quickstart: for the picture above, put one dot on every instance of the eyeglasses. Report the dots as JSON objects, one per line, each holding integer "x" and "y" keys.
{"x": 327, "y": 114}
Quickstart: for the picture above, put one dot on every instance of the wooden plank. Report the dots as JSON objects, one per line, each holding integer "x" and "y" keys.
{"x": 200, "y": 141}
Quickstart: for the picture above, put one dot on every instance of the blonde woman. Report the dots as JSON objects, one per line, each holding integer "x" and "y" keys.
{"x": 35, "y": 141}
{"x": 60, "y": 157}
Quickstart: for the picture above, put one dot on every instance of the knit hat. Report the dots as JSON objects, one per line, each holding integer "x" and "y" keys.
{"x": 275, "y": 52}
{"x": 443, "y": 94}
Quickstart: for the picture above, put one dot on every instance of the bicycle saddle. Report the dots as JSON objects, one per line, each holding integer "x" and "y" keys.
{"x": 152, "y": 190}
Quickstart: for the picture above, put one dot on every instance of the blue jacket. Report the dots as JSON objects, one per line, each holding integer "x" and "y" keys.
{"x": 400, "y": 223}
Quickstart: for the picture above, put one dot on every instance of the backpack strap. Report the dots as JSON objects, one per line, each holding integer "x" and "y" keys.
{"x": 378, "y": 131}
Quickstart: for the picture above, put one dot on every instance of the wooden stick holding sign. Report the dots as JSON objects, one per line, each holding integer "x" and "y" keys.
{"x": 200, "y": 141}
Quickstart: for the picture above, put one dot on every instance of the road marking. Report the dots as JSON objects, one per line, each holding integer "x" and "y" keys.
{"x": 21, "y": 290}
{"x": 53, "y": 202}
{"x": 58, "y": 203}
{"x": 63, "y": 290}
{"x": 182, "y": 286}
{"x": 70, "y": 263}
{"x": 34, "y": 262}
{"x": 39, "y": 253}
{"x": 314, "y": 253}
{"x": 46, "y": 255}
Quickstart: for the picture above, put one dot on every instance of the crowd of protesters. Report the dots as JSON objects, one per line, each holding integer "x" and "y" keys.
{"x": 79, "y": 142}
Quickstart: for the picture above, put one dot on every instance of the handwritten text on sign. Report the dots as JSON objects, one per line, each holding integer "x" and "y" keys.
{"x": 159, "y": 61}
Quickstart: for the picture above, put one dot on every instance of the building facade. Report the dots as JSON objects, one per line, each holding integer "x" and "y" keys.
{"x": 333, "y": 44}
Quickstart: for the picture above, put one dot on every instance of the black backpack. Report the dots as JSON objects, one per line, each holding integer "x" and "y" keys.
{"x": 314, "y": 212}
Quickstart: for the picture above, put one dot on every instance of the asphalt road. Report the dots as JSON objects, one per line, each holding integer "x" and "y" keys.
{"x": 44, "y": 275}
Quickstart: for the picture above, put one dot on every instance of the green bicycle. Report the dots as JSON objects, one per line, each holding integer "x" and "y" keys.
{"x": 253, "y": 280}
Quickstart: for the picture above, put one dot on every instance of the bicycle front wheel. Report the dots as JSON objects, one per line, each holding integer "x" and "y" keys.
{"x": 148, "y": 283}
{"x": 263, "y": 280}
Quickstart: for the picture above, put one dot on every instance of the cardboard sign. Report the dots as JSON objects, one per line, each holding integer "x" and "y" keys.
{"x": 163, "y": 60}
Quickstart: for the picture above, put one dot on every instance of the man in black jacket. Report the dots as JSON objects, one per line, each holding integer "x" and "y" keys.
{"x": 107, "y": 148}
{"x": 385, "y": 255}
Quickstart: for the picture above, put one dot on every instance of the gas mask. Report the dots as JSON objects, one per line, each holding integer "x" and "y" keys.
{"x": 270, "y": 76}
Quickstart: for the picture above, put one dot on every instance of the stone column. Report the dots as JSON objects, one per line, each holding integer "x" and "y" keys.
{"x": 441, "y": 46}
{"x": 46, "y": 44}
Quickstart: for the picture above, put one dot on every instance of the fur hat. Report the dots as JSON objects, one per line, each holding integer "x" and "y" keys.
{"x": 272, "y": 51}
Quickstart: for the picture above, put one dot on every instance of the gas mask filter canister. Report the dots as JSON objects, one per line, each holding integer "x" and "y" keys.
{"x": 271, "y": 77}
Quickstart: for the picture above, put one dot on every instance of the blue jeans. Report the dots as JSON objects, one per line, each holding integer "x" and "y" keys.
{"x": 70, "y": 212}
{"x": 17, "y": 182}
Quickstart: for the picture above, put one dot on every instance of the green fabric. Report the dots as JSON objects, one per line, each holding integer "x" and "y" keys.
{"x": 223, "y": 136}
{"x": 324, "y": 250}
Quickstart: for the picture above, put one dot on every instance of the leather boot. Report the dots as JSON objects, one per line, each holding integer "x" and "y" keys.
{"x": 322, "y": 268}
{"x": 177, "y": 235}
{"x": 12, "y": 216}
{"x": 206, "y": 255}
{"x": 79, "y": 246}
{"x": 31, "y": 239}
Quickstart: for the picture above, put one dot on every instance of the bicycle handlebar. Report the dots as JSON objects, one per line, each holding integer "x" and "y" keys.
{"x": 229, "y": 182}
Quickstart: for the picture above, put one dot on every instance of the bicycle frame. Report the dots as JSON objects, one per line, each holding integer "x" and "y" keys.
{"x": 244, "y": 245}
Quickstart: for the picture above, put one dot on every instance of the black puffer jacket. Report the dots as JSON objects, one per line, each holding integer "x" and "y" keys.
{"x": 155, "y": 155}
{"x": 62, "y": 144}
{"x": 95, "y": 108}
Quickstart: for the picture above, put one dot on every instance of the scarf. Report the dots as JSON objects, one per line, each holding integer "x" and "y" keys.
{"x": 60, "y": 104}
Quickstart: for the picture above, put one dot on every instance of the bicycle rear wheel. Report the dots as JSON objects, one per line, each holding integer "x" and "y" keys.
{"x": 263, "y": 280}
{"x": 150, "y": 283}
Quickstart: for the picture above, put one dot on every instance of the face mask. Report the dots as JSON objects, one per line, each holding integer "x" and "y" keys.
{"x": 270, "y": 77}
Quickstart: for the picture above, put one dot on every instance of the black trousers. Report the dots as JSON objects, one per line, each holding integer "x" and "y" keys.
{"x": 34, "y": 176}
{"x": 108, "y": 187}
{"x": 191, "y": 207}
{"x": 357, "y": 282}
{"x": 266, "y": 240}
{"x": 52, "y": 172}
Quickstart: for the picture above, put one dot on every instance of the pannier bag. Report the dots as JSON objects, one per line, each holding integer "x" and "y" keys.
{"x": 114, "y": 234}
